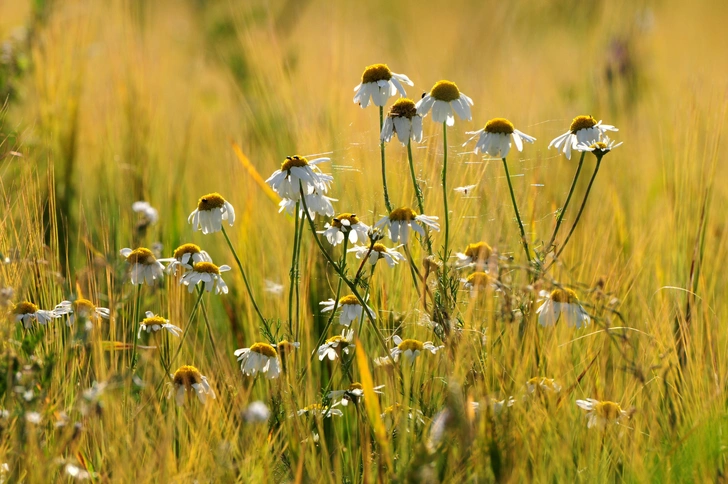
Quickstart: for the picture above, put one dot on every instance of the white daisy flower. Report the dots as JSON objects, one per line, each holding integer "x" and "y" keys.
{"x": 466, "y": 190}
{"x": 476, "y": 254}
{"x": 378, "y": 83}
{"x": 148, "y": 212}
{"x": 257, "y": 412}
{"x": 189, "y": 379}
{"x": 297, "y": 171}
{"x": 343, "y": 225}
{"x": 583, "y": 129}
{"x": 478, "y": 281}
{"x": 209, "y": 274}
{"x": 315, "y": 202}
{"x": 352, "y": 394}
{"x": 156, "y": 323}
{"x": 403, "y": 120}
{"x": 144, "y": 266}
{"x": 27, "y": 312}
{"x": 443, "y": 99}
{"x": 542, "y": 385}
{"x": 562, "y": 302}
{"x": 286, "y": 348}
{"x": 350, "y": 309}
{"x": 600, "y": 414}
{"x": 497, "y": 406}
{"x": 211, "y": 210}
{"x": 494, "y": 138}
{"x": 599, "y": 148}
{"x": 378, "y": 251}
{"x": 318, "y": 410}
{"x": 260, "y": 357}
{"x": 333, "y": 346}
{"x": 184, "y": 257}
{"x": 402, "y": 219}
{"x": 82, "y": 308}
{"x": 410, "y": 348}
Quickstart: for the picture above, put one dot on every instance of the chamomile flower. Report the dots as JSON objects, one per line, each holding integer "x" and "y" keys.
{"x": 211, "y": 210}
{"x": 185, "y": 256}
{"x": 402, "y": 219}
{"x": 149, "y": 213}
{"x": 82, "y": 308}
{"x": 333, "y": 347}
{"x": 542, "y": 385}
{"x": 562, "y": 302}
{"x": 189, "y": 379}
{"x": 494, "y": 138}
{"x": 156, "y": 323}
{"x": 410, "y": 348}
{"x": 443, "y": 99}
{"x": 296, "y": 172}
{"x": 475, "y": 254}
{"x": 316, "y": 203}
{"x": 209, "y": 274}
{"x": 318, "y": 410}
{"x": 257, "y": 412}
{"x": 601, "y": 413}
{"x": 27, "y": 312}
{"x": 497, "y": 406}
{"x": 352, "y": 394}
{"x": 351, "y": 309}
{"x": 599, "y": 148}
{"x": 260, "y": 357}
{"x": 478, "y": 281}
{"x": 378, "y": 252}
{"x": 378, "y": 83}
{"x": 403, "y": 120}
{"x": 345, "y": 225}
{"x": 583, "y": 129}
{"x": 144, "y": 266}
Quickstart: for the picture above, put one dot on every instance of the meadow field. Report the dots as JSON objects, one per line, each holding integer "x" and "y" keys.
{"x": 562, "y": 319}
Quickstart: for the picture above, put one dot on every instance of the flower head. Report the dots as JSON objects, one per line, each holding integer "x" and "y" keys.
{"x": 82, "y": 308}
{"x": 333, "y": 346}
{"x": 316, "y": 202}
{"x": 318, "y": 410}
{"x": 410, "y": 348}
{"x": 211, "y": 210}
{"x": 149, "y": 213}
{"x": 599, "y": 148}
{"x": 479, "y": 280}
{"x": 400, "y": 220}
{"x": 144, "y": 266}
{"x": 378, "y": 251}
{"x": 562, "y": 302}
{"x": 352, "y": 394}
{"x": 345, "y": 225}
{"x": 602, "y": 413}
{"x": 542, "y": 385}
{"x": 260, "y": 357}
{"x": 495, "y": 138}
{"x": 257, "y": 412}
{"x": 189, "y": 379}
{"x": 443, "y": 99}
{"x": 476, "y": 254}
{"x": 378, "y": 83}
{"x": 297, "y": 172}
{"x": 404, "y": 121}
{"x": 154, "y": 323}
{"x": 209, "y": 274}
{"x": 184, "y": 257}
{"x": 583, "y": 129}
{"x": 351, "y": 309}
{"x": 27, "y": 312}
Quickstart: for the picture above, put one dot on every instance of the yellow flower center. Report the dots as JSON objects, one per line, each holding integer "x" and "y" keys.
{"x": 478, "y": 251}
{"x": 608, "y": 410}
{"x": 25, "y": 308}
{"x": 445, "y": 91}
{"x": 376, "y": 72}
{"x": 338, "y": 339}
{"x": 478, "y": 279}
{"x": 599, "y": 145}
{"x": 83, "y": 307}
{"x": 403, "y": 214}
{"x": 410, "y": 344}
{"x": 207, "y": 267}
{"x": 564, "y": 296}
{"x": 186, "y": 375}
{"x": 210, "y": 201}
{"x": 186, "y": 249}
{"x": 582, "y": 122}
{"x": 292, "y": 161}
{"x": 355, "y": 386}
{"x": 142, "y": 256}
{"x": 539, "y": 381}
{"x": 499, "y": 125}
{"x": 351, "y": 217}
{"x": 285, "y": 347}
{"x": 159, "y": 320}
{"x": 348, "y": 300}
{"x": 264, "y": 349}
{"x": 379, "y": 248}
{"x": 403, "y": 107}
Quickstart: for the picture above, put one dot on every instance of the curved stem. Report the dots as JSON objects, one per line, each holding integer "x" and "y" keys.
{"x": 518, "y": 215}
{"x": 566, "y": 203}
{"x": 444, "y": 194}
{"x": 581, "y": 209}
{"x": 298, "y": 296}
{"x": 387, "y": 203}
{"x": 245, "y": 278}
{"x": 292, "y": 273}
{"x": 200, "y": 292}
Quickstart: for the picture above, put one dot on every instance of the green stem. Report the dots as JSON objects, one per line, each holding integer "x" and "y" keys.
{"x": 137, "y": 307}
{"x": 566, "y": 203}
{"x": 245, "y": 278}
{"x": 444, "y": 194}
{"x": 292, "y": 272}
{"x": 581, "y": 209}
{"x": 387, "y": 203}
{"x": 418, "y": 194}
{"x": 298, "y": 296}
{"x": 200, "y": 292}
{"x": 518, "y": 215}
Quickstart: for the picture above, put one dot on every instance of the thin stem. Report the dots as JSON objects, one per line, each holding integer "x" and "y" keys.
{"x": 298, "y": 296}
{"x": 200, "y": 292}
{"x": 566, "y": 203}
{"x": 581, "y": 209}
{"x": 418, "y": 194}
{"x": 245, "y": 278}
{"x": 444, "y": 193}
{"x": 387, "y": 203}
{"x": 518, "y": 215}
{"x": 137, "y": 307}
{"x": 292, "y": 273}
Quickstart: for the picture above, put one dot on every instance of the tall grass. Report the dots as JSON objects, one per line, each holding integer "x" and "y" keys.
{"x": 125, "y": 101}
